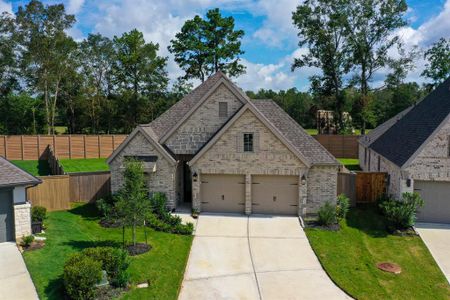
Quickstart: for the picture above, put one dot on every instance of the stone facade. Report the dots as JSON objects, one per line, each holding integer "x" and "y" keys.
{"x": 163, "y": 180}
{"x": 432, "y": 163}
{"x": 271, "y": 157}
{"x": 203, "y": 123}
{"x": 22, "y": 220}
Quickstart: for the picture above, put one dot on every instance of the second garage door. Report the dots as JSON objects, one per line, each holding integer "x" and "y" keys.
{"x": 436, "y": 196}
{"x": 275, "y": 195}
{"x": 223, "y": 193}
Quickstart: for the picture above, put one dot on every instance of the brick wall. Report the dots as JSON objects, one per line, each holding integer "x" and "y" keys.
{"x": 203, "y": 123}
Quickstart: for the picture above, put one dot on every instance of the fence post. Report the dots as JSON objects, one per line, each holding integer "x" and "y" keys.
{"x": 84, "y": 145}
{"x": 99, "y": 146}
{"x": 21, "y": 146}
{"x": 70, "y": 146}
{"x": 5, "y": 146}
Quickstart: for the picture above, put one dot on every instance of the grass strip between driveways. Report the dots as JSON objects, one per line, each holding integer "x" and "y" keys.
{"x": 71, "y": 231}
{"x": 350, "y": 256}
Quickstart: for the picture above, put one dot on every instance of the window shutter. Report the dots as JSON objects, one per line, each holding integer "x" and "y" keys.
{"x": 256, "y": 142}
{"x": 239, "y": 143}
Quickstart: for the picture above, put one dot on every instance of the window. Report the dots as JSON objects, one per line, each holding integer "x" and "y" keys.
{"x": 143, "y": 158}
{"x": 248, "y": 142}
{"x": 223, "y": 109}
{"x": 379, "y": 163}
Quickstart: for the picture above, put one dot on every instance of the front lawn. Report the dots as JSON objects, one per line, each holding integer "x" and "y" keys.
{"x": 76, "y": 229}
{"x": 350, "y": 256}
{"x": 350, "y": 163}
{"x": 84, "y": 165}
{"x": 34, "y": 167}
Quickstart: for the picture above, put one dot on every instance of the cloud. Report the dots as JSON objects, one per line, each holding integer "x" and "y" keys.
{"x": 5, "y": 7}
{"x": 74, "y": 6}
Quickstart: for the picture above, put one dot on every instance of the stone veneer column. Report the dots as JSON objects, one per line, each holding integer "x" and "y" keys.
{"x": 248, "y": 194}
{"x": 196, "y": 201}
{"x": 303, "y": 193}
{"x": 22, "y": 220}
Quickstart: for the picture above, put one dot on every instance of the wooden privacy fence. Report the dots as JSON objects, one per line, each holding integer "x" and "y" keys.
{"x": 56, "y": 192}
{"x": 362, "y": 187}
{"x": 33, "y": 147}
{"x": 341, "y": 146}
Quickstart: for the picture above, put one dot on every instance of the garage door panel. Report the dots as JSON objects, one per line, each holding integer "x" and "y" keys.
{"x": 223, "y": 193}
{"x": 275, "y": 195}
{"x": 436, "y": 197}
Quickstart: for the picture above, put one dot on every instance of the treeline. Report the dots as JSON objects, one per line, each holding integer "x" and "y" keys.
{"x": 98, "y": 85}
{"x": 109, "y": 85}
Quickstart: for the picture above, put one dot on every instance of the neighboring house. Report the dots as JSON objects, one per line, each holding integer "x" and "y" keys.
{"x": 15, "y": 214}
{"x": 414, "y": 148}
{"x": 225, "y": 153}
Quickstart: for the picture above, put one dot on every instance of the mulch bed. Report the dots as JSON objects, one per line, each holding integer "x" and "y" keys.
{"x": 314, "y": 224}
{"x": 405, "y": 232}
{"x": 137, "y": 249}
{"x": 34, "y": 246}
{"x": 108, "y": 292}
{"x": 107, "y": 223}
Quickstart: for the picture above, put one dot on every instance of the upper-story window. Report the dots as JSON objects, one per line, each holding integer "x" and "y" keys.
{"x": 248, "y": 142}
{"x": 223, "y": 109}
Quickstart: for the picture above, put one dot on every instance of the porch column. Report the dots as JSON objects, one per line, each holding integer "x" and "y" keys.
{"x": 196, "y": 201}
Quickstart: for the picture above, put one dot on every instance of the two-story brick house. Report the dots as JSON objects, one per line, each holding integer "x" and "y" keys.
{"x": 222, "y": 152}
{"x": 414, "y": 149}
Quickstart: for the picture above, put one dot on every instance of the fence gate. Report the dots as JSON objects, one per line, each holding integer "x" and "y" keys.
{"x": 370, "y": 186}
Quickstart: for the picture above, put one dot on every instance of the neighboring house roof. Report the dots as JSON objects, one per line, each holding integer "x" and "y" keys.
{"x": 308, "y": 150}
{"x": 11, "y": 175}
{"x": 404, "y": 139}
{"x": 313, "y": 151}
{"x": 374, "y": 134}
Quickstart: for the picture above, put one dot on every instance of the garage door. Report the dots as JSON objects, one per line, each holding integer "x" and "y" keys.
{"x": 223, "y": 193}
{"x": 275, "y": 195}
{"x": 436, "y": 196}
{"x": 6, "y": 216}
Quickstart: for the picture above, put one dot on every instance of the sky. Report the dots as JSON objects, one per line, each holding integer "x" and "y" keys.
{"x": 270, "y": 41}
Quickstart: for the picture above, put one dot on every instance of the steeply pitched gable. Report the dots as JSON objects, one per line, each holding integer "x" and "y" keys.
{"x": 404, "y": 138}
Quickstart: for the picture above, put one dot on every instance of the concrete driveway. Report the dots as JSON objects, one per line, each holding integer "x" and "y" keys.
{"x": 15, "y": 281}
{"x": 437, "y": 239}
{"x": 256, "y": 257}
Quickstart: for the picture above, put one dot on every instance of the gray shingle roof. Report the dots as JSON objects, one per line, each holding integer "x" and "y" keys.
{"x": 294, "y": 133}
{"x": 10, "y": 175}
{"x": 374, "y": 134}
{"x": 170, "y": 118}
{"x": 406, "y": 136}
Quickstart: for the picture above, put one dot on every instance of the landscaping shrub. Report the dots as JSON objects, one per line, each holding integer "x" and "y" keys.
{"x": 327, "y": 214}
{"x": 114, "y": 261}
{"x": 401, "y": 214}
{"x": 81, "y": 273}
{"x": 342, "y": 206}
{"x": 38, "y": 214}
{"x": 162, "y": 220}
{"x": 27, "y": 241}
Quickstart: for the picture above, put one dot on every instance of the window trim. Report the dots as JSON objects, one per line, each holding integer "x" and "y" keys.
{"x": 250, "y": 143}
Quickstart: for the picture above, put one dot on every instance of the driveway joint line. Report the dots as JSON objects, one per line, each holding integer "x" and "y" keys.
{"x": 251, "y": 257}
{"x": 218, "y": 276}
{"x": 289, "y": 270}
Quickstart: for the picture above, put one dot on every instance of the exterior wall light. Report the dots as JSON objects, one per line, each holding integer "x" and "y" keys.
{"x": 303, "y": 180}
{"x": 195, "y": 176}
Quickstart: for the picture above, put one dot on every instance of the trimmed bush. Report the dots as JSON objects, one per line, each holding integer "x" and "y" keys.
{"x": 38, "y": 214}
{"x": 114, "y": 261}
{"x": 342, "y": 206}
{"x": 27, "y": 241}
{"x": 81, "y": 273}
{"x": 402, "y": 214}
{"x": 327, "y": 214}
{"x": 162, "y": 220}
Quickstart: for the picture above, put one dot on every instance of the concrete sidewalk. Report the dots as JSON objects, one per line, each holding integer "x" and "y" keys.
{"x": 437, "y": 239}
{"x": 256, "y": 257}
{"x": 15, "y": 281}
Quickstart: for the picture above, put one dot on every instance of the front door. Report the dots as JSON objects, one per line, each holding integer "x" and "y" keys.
{"x": 6, "y": 216}
{"x": 187, "y": 185}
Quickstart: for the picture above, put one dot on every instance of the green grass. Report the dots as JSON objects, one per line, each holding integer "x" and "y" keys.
{"x": 34, "y": 167}
{"x": 350, "y": 255}
{"x": 84, "y": 165}
{"x": 71, "y": 231}
{"x": 350, "y": 163}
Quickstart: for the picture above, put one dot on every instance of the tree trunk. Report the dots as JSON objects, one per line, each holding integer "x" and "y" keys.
{"x": 134, "y": 234}
{"x": 47, "y": 107}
